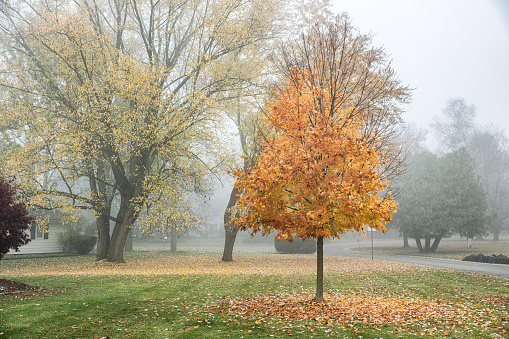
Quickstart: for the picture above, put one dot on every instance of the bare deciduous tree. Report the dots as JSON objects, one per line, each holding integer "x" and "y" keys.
{"x": 455, "y": 127}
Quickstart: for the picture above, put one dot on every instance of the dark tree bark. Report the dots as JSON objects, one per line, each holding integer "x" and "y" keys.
{"x": 118, "y": 239}
{"x": 437, "y": 240}
{"x": 405, "y": 239}
{"x": 428, "y": 247}
{"x": 129, "y": 241}
{"x": 419, "y": 245}
{"x": 230, "y": 231}
{"x": 102, "y": 197}
{"x": 103, "y": 236}
{"x": 427, "y": 242}
{"x": 229, "y": 242}
{"x": 319, "y": 270}
{"x": 126, "y": 217}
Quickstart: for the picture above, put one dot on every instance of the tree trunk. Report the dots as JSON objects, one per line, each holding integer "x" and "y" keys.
{"x": 319, "y": 270}
{"x": 118, "y": 239}
{"x": 230, "y": 231}
{"x": 129, "y": 241}
{"x": 99, "y": 192}
{"x": 103, "y": 236}
{"x": 173, "y": 240}
{"x": 428, "y": 247}
{"x": 229, "y": 242}
{"x": 427, "y": 242}
{"x": 437, "y": 240}
{"x": 496, "y": 235}
{"x": 419, "y": 245}
{"x": 405, "y": 239}
{"x": 127, "y": 217}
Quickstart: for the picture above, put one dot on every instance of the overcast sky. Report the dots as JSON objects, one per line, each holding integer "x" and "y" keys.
{"x": 443, "y": 49}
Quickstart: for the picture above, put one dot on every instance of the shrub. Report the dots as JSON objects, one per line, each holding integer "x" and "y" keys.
{"x": 14, "y": 220}
{"x": 296, "y": 246}
{"x": 78, "y": 238}
{"x": 492, "y": 259}
{"x": 82, "y": 243}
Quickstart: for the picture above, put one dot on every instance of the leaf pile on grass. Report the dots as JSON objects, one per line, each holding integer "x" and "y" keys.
{"x": 347, "y": 310}
{"x": 342, "y": 308}
{"x": 10, "y": 286}
{"x": 253, "y": 264}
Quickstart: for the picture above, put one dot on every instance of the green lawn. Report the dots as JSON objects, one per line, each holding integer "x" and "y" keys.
{"x": 449, "y": 249}
{"x": 152, "y": 304}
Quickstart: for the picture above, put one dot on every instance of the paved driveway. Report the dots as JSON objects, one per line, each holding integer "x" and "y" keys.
{"x": 498, "y": 270}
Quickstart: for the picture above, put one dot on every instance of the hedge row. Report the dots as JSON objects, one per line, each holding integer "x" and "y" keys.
{"x": 492, "y": 259}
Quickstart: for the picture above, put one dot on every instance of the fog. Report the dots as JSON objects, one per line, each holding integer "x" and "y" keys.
{"x": 443, "y": 49}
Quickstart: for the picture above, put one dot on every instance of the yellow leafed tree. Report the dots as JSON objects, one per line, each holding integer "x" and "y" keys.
{"x": 110, "y": 101}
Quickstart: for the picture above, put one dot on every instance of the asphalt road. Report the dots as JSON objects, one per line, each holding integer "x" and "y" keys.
{"x": 344, "y": 250}
{"x": 497, "y": 270}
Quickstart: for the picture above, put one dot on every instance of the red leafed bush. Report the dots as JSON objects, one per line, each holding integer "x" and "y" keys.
{"x": 14, "y": 219}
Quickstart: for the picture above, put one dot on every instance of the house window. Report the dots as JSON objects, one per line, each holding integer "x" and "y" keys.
{"x": 37, "y": 232}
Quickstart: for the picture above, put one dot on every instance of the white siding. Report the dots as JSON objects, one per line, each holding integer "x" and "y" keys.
{"x": 41, "y": 245}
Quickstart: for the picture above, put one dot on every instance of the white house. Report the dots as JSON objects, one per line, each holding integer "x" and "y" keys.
{"x": 43, "y": 241}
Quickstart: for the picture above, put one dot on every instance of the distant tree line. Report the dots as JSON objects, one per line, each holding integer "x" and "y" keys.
{"x": 460, "y": 188}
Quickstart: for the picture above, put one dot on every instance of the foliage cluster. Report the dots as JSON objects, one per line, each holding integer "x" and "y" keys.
{"x": 320, "y": 172}
{"x": 316, "y": 177}
{"x": 15, "y": 219}
{"x": 118, "y": 103}
{"x": 488, "y": 146}
{"x": 324, "y": 169}
{"x": 490, "y": 150}
{"x": 441, "y": 196}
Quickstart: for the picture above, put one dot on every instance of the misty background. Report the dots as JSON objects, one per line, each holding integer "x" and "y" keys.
{"x": 441, "y": 49}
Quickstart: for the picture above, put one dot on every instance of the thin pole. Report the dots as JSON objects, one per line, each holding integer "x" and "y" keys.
{"x": 372, "y": 244}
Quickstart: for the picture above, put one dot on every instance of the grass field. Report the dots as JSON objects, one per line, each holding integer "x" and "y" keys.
{"x": 195, "y": 295}
{"x": 450, "y": 249}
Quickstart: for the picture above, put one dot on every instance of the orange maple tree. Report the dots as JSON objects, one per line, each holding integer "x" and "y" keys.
{"x": 317, "y": 176}
{"x": 326, "y": 167}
